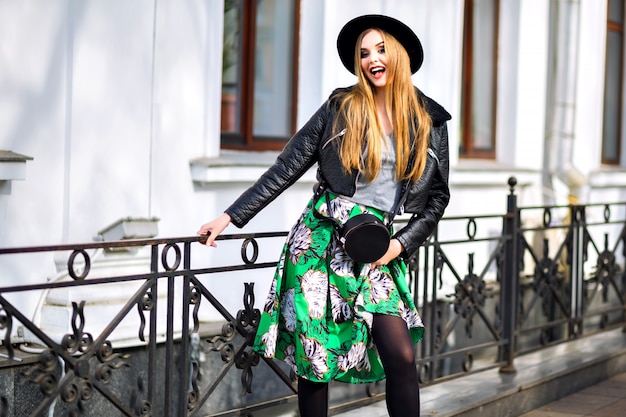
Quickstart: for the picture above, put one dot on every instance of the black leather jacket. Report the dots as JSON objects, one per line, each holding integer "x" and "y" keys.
{"x": 426, "y": 200}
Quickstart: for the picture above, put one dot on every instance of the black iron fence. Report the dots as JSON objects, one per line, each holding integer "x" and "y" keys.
{"x": 488, "y": 288}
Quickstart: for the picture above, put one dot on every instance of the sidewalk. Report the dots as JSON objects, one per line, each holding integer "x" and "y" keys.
{"x": 606, "y": 399}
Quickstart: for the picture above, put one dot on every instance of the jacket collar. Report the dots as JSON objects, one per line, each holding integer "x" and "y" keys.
{"x": 436, "y": 111}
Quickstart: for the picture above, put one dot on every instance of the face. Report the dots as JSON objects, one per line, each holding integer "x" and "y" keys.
{"x": 373, "y": 59}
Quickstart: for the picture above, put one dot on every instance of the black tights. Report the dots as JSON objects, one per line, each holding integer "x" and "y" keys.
{"x": 398, "y": 357}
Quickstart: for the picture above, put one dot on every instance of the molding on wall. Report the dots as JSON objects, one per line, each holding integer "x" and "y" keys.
{"x": 13, "y": 165}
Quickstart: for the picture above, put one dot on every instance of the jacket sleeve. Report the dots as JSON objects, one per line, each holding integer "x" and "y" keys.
{"x": 298, "y": 155}
{"x": 422, "y": 225}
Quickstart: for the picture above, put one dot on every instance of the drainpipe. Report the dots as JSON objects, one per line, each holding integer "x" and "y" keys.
{"x": 560, "y": 120}
{"x": 560, "y": 123}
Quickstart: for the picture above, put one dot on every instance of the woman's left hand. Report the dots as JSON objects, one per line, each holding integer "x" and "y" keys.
{"x": 393, "y": 251}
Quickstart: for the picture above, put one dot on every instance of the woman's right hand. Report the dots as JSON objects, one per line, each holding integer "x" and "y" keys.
{"x": 214, "y": 228}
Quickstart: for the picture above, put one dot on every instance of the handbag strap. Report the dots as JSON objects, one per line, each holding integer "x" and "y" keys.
{"x": 322, "y": 188}
{"x": 319, "y": 191}
{"x": 403, "y": 196}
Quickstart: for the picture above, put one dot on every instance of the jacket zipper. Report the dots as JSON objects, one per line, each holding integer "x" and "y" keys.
{"x": 341, "y": 133}
{"x": 432, "y": 153}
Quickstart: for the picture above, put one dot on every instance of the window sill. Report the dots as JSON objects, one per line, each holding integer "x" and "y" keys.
{"x": 13, "y": 166}
{"x": 490, "y": 173}
{"x": 235, "y": 166}
{"x": 608, "y": 177}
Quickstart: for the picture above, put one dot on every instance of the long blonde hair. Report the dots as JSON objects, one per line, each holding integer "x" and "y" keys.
{"x": 406, "y": 114}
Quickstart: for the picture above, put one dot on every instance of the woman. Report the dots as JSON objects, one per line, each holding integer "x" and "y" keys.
{"x": 381, "y": 148}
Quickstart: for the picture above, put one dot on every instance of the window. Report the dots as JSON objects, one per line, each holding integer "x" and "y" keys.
{"x": 478, "y": 99}
{"x": 612, "y": 127}
{"x": 259, "y": 67}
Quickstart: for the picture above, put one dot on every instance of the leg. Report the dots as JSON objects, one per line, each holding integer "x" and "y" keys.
{"x": 312, "y": 398}
{"x": 397, "y": 354}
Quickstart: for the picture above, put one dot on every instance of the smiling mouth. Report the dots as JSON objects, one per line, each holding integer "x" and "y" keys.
{"x": 377, "y": 72}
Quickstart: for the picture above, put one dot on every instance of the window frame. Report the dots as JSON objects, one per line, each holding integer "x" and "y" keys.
{"x": 245, "y": 139}
{"x": 467, "y": 150}
{"x": 614, "y": 27}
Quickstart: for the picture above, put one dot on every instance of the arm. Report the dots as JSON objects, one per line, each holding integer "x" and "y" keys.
{"x": 295, "y": 159}
{"x": 422, "y": 224}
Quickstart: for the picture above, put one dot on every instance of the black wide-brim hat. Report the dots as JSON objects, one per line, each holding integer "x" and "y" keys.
{"x": 346, "y": 41}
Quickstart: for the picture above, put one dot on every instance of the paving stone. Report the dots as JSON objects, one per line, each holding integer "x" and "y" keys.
{"x": 616, "y": 409}
{"x": 582, "y": 403}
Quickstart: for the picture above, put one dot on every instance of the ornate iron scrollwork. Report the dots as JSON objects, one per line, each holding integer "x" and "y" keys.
{"x": 141, "y": 406}
{"x": 45, "y": 372}
{"x": 109, "y": 361}
{"x": 75, "y": 393}
{"x": 71, "y": 270}
{"x": 246, "y": 324}
{"x": 79, "y": 388}
{"x": 146, "y": 304}
{"x": 223, "y": 343}
{"x": 606, "y": 269}
{"x": 193, "y": 395}
{"x": 547, "y": 280}
{"x": 244, "y": 251}
{"x": 195, "y": 299}
{"x": 177, "y": 257}
{"x": 249, "y": 318}
{"x": 78, "y": 341}
{"x": 469, "y": 295}
{"x": 246, "y": 360}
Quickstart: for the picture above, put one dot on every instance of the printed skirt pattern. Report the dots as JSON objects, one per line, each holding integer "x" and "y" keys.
{"x": 318, "y": 314}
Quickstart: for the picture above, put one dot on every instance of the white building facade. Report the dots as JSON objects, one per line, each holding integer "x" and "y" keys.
{"x": 123, "y": 109}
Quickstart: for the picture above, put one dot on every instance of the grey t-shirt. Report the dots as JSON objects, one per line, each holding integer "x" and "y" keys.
{"x": 383, "y": 192}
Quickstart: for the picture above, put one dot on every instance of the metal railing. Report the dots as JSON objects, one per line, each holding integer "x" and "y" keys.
{"x": 488, "y": 288}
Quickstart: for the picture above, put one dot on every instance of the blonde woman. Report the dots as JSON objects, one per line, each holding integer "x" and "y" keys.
{"x": 381, "y": 148}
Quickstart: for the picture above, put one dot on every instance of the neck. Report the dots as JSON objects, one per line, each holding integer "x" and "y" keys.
{"x": 379, "y": 98}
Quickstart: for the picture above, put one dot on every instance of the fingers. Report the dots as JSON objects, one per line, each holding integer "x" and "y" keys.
{"x": 382, "y": 261}
{"x": 210, "y": 236}
{"x": 213, "y": 229}
{"x": 205, "y": 229}
{"x": 210, "y": 239}
{"x": 394, "y": 250}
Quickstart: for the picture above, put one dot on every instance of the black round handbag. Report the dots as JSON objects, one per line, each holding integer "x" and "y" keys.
{"x": 365, "y": 238}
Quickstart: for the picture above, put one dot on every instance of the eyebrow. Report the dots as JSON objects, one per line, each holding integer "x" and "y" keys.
{"x": 377, "y": 45}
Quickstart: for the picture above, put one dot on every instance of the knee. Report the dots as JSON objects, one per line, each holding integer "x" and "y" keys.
{"x": 400, "y": 360}
{"x": 405, "y": 356}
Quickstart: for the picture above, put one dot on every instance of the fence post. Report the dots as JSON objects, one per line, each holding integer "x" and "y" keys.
{"x": 509, "y": 280}
{"x": 578, "y": 256}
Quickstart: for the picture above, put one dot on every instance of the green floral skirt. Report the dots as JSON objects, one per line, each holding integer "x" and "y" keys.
{"x": 318, "y": 314}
